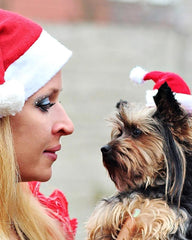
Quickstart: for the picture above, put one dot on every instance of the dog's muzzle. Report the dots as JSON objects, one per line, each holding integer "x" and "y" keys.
{"x": 109, "y": 159}
{"x": 106, "y": 149}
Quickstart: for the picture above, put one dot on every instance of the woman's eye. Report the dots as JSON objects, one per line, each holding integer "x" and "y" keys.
{"x": 44, "y": 104}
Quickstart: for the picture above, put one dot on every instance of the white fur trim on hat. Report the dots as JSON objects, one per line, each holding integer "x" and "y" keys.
{"x": 12, "y": 98}
{"x": 184, "y": 99}
{"x": 38, "y": 64}
{"x": 149, "y": 97}
{"x": 137, "y": 74}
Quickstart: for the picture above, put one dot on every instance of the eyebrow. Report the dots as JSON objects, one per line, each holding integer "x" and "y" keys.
{"x": 54, "y": 90}
{"x": 49, "y": 92}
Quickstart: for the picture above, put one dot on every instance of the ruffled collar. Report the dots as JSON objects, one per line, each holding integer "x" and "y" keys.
{"x": 57, "y": 202}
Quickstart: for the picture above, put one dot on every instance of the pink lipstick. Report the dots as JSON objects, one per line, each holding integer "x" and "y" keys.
{"x": 51, "y": 152}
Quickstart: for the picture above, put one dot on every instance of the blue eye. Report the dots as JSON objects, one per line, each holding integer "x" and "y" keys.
{"x": 44, "y": 104}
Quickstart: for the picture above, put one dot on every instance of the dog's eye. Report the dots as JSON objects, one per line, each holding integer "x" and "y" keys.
{"x": 136, "y": 132}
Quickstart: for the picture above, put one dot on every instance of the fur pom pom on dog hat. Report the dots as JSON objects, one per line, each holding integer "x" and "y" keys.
{"x": 174, "y": 81}
{"x": 29, "y": 58}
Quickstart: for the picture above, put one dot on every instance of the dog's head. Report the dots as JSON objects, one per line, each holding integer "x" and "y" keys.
{"x": 148, "y": 145}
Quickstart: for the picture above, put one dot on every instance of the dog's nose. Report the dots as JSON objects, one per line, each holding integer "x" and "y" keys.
{"x": 105, "y": 149}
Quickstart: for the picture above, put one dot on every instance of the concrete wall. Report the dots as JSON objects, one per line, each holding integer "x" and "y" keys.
{"x": 95, "y": 10}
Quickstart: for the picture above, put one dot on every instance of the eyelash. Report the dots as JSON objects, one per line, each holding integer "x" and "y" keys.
{"x": 44, "y": 104}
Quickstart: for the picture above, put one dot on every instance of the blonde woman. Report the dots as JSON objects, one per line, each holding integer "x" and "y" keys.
{"x": 32, "y": 121}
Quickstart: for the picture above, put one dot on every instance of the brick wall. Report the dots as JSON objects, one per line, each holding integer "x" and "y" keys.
{"x": 58, "y": 10}
{"x": 54, "y": 10}
{"x": 93, "y": 10}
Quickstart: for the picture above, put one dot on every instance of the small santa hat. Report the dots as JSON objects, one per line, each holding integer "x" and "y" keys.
{"x": 174, "y": 81}
{"x": 29, "y": 58}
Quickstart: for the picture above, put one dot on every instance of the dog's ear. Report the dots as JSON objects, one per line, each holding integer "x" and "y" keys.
{"x": 175, "y": 126}
{"x": 121, "y": 103}
{"x": 168, "y": 109}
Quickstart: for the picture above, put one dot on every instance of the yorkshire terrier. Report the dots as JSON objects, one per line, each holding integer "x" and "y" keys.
{"x": 149, "y": 158}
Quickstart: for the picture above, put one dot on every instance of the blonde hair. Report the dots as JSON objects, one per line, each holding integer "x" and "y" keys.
{"x": 19, "y": 209}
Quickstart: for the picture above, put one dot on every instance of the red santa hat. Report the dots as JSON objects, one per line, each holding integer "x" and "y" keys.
{"x": 174, "y": 81}
{"x": 29, "y": 58}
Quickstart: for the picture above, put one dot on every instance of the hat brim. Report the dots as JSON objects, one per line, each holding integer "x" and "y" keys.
{"x": 38, "y": 64}
{"x": 184, "y": 99}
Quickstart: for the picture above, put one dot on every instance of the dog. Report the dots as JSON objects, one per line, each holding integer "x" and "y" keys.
{"x": 149, "y": 158}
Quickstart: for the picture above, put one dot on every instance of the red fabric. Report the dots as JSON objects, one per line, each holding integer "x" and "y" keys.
{"x": 175, "y": 82}
{"x": 17, "y": 35}
{"x": 57, "y": 202}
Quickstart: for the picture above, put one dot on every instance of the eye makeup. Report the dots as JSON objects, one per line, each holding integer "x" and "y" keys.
{"x": 44, "y": 103}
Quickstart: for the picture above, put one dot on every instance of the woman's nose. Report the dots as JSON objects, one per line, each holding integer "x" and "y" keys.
{"x": 63, "y": 124}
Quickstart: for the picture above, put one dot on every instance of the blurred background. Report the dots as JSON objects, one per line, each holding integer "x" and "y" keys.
{"x": 108, "y": 38}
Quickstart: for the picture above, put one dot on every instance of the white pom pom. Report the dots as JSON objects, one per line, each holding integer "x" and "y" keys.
{"x": 12, "y": 98}
{"x": 137, "y": 74}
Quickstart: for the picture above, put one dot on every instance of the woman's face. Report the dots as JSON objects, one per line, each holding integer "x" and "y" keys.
{"x": 37, "y": 130}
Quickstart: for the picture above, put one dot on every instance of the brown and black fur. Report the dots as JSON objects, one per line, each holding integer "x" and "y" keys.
{"x": 149, "y": 158}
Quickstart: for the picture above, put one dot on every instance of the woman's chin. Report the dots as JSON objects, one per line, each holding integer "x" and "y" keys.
{"x": 43, "y": 177}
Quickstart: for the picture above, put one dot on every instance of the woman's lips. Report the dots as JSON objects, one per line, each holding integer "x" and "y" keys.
{"x": 51, "y": 152}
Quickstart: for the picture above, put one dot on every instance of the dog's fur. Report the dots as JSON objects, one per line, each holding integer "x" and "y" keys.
{"x": 149, "y": 158}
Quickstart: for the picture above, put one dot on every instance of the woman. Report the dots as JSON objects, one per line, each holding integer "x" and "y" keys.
{"x": 32, "y": 123}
